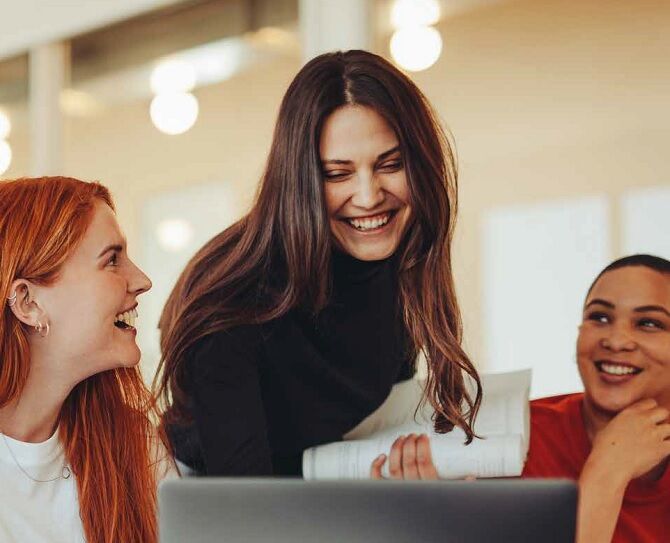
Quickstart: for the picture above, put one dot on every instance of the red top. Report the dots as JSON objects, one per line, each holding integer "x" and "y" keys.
{"x": 559, "y": 447}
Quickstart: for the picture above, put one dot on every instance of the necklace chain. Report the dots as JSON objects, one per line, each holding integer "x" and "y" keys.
{"x": 65, "y": 472}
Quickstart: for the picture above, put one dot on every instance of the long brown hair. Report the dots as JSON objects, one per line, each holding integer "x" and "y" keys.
{"x": 104, "y": 424}
{"x": 278, "y": 256}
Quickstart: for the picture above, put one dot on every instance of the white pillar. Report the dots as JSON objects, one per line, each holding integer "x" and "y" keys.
{"x": 48, "y": 71}
{"x": 330, "y": 25}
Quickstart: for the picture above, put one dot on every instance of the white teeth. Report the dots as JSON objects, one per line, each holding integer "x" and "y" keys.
{"x": 370, "y": 223}
{"x": 615, "y": 369}
{"x": 128, "y": 317}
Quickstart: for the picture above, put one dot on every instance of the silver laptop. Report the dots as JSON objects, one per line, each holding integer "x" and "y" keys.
{"x": 200, "y": 510}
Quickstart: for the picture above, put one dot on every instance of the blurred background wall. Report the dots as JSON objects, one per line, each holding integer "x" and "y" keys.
{"x": 560, "y": 111}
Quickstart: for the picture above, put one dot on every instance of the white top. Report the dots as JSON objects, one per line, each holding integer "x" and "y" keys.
{"x": 31, "y": 511}
{"x": 41, "y": 512}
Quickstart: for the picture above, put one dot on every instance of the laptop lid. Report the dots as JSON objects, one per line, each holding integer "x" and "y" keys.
{"x": 200, "y": 510}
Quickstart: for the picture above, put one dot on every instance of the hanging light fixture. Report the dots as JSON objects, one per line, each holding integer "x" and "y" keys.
{"x": 174, "y": 234}
{"x": 416, "y": 48}
{"x": 174, "y": 110}
{"x": 5, "y": 125}
{"x": 415, "y": 44}
{"x": 414, "y": 13}
{"x": 5, "y": 156}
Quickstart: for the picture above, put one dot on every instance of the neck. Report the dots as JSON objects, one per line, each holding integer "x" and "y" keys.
{"x": 595, "y": 419}
{"x": 33, "y": 416}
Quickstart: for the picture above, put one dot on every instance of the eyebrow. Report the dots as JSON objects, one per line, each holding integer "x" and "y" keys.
{"x": 382, "y": 156}
{"x": 641, "y": 309}
{"x": 645, "y": 308}
{"x": 117, "y": 247}
{"x": 598, "y": 301}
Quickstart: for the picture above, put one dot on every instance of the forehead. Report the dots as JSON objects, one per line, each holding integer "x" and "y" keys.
{"x": 353, "y": 131}
{"x": 103, "y": 231}
{"x": 633, "y": 286}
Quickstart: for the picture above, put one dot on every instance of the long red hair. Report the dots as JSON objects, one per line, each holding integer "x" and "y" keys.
{"x": 105, "y": 424}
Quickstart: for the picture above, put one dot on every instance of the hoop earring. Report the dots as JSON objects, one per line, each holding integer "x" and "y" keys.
{"x": 11, "y": 301}
{"x": 39, "y": 329}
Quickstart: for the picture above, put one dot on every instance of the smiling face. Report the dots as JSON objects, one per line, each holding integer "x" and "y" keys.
{"x": 367, "y": 197}
{"x": 97, "y": 287}
{"x": 623, "y": 348}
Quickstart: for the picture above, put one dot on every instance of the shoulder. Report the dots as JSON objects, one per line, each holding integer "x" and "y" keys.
{"x": 237, "y": 337}
{"x": 557, "y": 437}
{"x": 554, "y": 408}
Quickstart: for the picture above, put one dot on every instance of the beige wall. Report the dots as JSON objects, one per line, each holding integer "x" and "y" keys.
{"x": 546, "y": 99}
{"x": 550, "y": 99}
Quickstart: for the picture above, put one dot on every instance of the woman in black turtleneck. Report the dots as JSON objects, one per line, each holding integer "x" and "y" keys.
{"x": 290, "y": 327}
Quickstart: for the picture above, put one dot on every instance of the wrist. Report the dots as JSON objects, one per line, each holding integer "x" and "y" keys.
{"x": 597, "y": 474}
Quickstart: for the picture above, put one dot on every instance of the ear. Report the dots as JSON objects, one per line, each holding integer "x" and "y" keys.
{"x": 26, "y": 308}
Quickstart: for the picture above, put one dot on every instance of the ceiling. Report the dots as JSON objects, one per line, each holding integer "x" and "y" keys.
{"x": 134, "y": 44}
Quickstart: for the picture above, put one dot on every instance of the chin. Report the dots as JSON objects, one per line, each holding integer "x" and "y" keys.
{"x": 371, "y": 256}
{"x": 128, "y": 358}
{"x": 372, "y": 252}
{"x": 611, "y": 404}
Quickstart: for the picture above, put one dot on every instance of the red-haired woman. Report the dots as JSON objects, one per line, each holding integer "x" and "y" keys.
{"x": 77, "y": 457}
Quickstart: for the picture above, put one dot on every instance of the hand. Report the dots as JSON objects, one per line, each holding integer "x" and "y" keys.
{"x": 632, "y": 443}
{"x": 410, "y": 458}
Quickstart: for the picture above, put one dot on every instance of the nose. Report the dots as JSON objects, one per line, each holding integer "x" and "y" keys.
{"x": 368, "y": 193}
{"x": 618, "y": 339}
{"x": 138, "y": 282}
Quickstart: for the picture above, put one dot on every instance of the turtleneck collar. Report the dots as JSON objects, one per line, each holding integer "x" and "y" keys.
{"x": 352, "y": 270}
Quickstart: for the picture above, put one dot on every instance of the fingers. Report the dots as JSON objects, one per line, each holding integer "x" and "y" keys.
{"x": 642, "y": 405}
{"x": 410, "y": 458}
{"x": 424, "y": 458}
{"x": 659, "y": 415}
{"x": 395, "y": 458}
{"x": 409, "y": 467}
{"x": 376, "y": 467}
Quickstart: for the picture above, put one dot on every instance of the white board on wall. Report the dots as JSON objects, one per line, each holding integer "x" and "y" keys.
{"x": 538, "y": 261}
{"x": 646, "y": 221}
{"x": 175, "y": 224}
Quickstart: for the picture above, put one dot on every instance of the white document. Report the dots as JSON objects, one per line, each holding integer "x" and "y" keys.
{"x": 502, "y": 423}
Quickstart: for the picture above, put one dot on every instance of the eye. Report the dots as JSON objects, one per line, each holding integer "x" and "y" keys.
{"x": 391, "y": 166}
{"x": 598, "y": 317}
{"x": 335, "y": 175}
{"x": 650, "y": 324}
{"x": 113, "y": 260}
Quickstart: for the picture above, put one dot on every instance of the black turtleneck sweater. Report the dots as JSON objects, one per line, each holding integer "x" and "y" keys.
{"x": 262, "y": 394}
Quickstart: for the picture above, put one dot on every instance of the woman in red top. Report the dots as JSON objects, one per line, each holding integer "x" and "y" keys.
{"x": 615, "y": 438}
